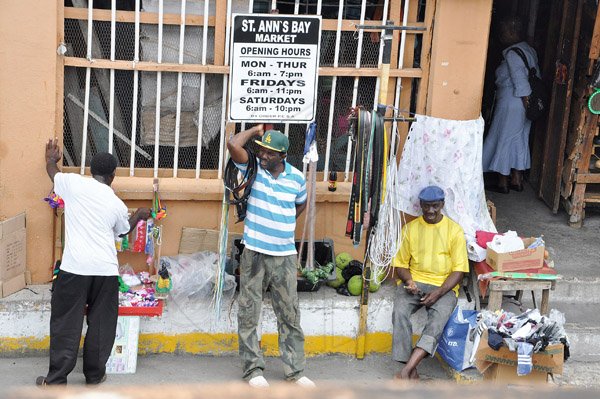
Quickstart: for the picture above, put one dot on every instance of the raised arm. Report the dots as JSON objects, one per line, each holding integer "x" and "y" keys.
{"x": 53, "y": 155}
{"x": 235, "y": 145}
{"x": 139, "y": 214}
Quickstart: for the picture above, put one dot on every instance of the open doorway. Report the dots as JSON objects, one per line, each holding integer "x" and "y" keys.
{"x": 561, "y": 32}
{"x": 510, "y": 145}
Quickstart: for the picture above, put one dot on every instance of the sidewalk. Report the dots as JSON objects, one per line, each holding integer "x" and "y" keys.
{"x": 177, "y": 348}
{"x": 187, "y": 369}
{"x": 575, "y": 253}
{"x": 576, "y": 250}
{"x": 373, "y": 371}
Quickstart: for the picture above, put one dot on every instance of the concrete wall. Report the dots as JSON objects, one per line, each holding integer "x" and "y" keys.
{"x": 28, "y": 102}
{"x": 31, "y": 98}
{"x": 197, "y": 203}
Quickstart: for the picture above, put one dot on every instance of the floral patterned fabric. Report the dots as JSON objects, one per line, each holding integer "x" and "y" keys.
{"x": 445, "y": 153}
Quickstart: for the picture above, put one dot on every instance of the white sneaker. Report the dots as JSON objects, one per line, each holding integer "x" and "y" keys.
{"x": 259, "y": 382}
{"x": 305, "y": 382}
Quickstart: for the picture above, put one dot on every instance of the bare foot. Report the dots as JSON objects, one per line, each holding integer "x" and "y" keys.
{"x": 404, "y": 374}
{"x": 414, "y": 375}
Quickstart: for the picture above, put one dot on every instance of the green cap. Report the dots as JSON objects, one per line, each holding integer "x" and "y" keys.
{"x": 274, "y": 140}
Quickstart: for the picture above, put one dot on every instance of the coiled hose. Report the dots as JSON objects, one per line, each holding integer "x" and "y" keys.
{"x": 240, "y": 189}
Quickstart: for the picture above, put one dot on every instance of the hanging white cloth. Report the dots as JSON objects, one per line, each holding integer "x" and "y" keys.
{"x": 445, "y": 153}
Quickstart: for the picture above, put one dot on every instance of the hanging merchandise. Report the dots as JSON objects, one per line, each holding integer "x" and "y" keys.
{"x": 125, "y": 242}
{"x": 154, "y": 231}
{"x": 311, "y": 157}
{"x": 158, "y": 210}
{"x": 149, "y": 247}
{"x": 372, "y": 166}
{"x": 360, "y": 127}
{"x": 139, "y": 243}
{"x": 377, "y": 164}
{"x": 370, "y": 158}
{"x": 54, "y": 200}
{"x": 432, "y": 145}
{"x": 387, "y": 233}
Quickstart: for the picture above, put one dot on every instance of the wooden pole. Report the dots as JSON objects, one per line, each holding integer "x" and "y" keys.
{"x": 364, "y": 300}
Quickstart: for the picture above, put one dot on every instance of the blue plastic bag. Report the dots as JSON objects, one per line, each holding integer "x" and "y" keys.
{"x": 456, "y": 343}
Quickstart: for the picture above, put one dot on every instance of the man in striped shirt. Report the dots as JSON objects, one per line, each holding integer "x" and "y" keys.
{"x": 268, "y": 261}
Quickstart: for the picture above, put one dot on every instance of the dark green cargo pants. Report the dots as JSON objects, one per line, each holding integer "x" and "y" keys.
{"x": 259, "y": 272}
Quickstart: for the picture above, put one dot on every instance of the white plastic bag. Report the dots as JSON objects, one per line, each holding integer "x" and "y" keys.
{"x": 508, "y": 242}
{"x": 193, "y": 277}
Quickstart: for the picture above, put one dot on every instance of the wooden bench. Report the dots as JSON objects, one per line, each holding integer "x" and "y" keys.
{"x": 498, "y": 287}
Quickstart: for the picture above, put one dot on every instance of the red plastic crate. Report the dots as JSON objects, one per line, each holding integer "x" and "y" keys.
{"x": 141, "y": 310}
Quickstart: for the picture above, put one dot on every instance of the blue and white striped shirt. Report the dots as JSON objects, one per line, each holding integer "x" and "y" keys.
{"x": 271, "y": 215}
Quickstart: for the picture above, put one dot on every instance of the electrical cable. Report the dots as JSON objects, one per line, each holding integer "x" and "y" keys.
{"x": 240, "y": 188}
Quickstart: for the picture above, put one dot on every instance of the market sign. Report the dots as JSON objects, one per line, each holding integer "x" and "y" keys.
{"x": 274, "y": 67}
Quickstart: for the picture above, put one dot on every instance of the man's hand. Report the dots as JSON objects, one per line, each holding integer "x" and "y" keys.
{"x": 139, "y": 214}
{"x": 53, "y": 153}
{"x": 236, "y": 143}
{"x": 431, "y": 298}
{"x": 143, "y": 213}
{"x": 411, "y": 287}
{"x": 525, "y": 101}
{"x": 260, "y": 129}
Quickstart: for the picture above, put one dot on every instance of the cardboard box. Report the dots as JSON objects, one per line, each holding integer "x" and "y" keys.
{"x": 123, "y": 357}
{"x": 516, "y": 260}
{"x": 12, "y": 255}
{"x": 487, "y": 361}
{"x": 503, "y": 374}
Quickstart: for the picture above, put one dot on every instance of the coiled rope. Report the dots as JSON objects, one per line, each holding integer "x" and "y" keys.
{"x": 386, "y": 238}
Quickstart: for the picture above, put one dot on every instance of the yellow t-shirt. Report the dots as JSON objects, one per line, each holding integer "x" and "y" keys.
{"x": 432, "y": 251}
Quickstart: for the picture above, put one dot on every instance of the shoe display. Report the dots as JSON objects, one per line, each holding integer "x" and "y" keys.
{"x": 258, "y": 382}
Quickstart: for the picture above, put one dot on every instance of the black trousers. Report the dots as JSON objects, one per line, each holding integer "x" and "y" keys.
{"x": 72, "y": 292}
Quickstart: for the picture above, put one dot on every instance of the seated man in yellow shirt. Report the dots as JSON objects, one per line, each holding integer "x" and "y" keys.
{"x": 430, "y": 262}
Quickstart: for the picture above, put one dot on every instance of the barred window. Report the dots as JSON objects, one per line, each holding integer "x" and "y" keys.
{"x": 147, "y": 79}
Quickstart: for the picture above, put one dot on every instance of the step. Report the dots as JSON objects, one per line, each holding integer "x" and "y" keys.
{"x": 330, "y": 322}
{"x": 576, "y": 290}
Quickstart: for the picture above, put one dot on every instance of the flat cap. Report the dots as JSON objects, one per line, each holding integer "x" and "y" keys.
{"x": 431, "y": 193}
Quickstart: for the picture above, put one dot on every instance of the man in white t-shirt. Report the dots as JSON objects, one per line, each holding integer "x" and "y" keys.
{"x": 88, "y": 276}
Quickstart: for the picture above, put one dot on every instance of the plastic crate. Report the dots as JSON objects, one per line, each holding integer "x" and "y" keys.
{"x": 324, "y": 253}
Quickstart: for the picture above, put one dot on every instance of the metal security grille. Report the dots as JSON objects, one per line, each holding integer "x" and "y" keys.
{"x": 151, "y": 88}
